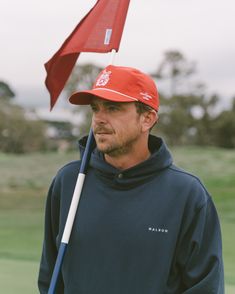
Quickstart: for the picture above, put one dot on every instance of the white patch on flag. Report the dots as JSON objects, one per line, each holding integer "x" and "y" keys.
{"x": 108, "y": 35}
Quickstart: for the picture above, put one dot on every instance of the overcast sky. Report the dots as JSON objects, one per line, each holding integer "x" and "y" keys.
{"x": 203, "y": 30}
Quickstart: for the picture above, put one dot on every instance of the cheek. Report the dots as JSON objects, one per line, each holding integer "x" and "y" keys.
{"x": 127, "y": 129}
{"x": 93, "y": 123}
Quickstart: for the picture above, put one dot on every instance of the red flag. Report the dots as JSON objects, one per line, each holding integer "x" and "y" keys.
{"x": 99, "y": 31}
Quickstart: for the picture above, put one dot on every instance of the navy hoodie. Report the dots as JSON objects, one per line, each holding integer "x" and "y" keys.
{"x": 149, "y": 229}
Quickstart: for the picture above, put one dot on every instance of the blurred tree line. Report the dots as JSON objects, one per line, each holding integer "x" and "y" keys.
{"x": 188, "y": 115}
{"x": 17, "y": 133}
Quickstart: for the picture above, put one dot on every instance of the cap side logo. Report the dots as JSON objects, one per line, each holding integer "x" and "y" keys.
{"x": 146, "y": 96}
{"x": 103, "y": 79}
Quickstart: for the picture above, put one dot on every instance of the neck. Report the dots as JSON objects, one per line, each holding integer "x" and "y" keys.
{"x": 130, "y": 159}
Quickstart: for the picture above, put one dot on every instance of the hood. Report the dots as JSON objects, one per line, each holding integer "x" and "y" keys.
{"x": 159, "y": 160}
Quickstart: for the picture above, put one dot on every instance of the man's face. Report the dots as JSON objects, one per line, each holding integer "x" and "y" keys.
{"x": 116, "y": 126}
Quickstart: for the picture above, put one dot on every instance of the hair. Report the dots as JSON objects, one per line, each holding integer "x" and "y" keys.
{"x": 142, "y": 108}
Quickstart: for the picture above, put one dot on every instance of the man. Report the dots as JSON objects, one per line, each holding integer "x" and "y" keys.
{"x": 143, "y": 226}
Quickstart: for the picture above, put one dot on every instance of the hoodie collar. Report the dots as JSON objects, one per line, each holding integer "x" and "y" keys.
{"x": 159, "y": 160}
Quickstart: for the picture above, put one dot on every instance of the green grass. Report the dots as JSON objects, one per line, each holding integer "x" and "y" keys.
{"x": 24, "y": 183}
{"x": 18, "y": 276}
{"x": 23, "y": 186}
{"x": 216, "y": 169}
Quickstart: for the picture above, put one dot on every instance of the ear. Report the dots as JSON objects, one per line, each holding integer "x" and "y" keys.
{"x": 149, "y": 118}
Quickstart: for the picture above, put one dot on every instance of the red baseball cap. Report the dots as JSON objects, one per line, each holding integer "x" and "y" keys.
{"x": 120, "y": 84}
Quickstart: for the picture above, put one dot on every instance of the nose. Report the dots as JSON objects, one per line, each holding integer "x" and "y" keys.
{"x": 99, "y": 117}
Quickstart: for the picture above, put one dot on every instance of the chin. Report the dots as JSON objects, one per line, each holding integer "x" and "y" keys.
{"x": 102, "y": 147}
{"x": 106, "y": 149}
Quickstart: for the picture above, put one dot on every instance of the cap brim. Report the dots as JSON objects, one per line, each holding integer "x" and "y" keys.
{"x": 85, "y": 97}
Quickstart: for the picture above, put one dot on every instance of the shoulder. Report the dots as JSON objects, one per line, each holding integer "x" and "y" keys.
{"x": 69, "y": 167}
{"x": 189, "y": 185}
{"x": 64, "y": 179}
{"x": 184, "y": 175}
{"x": 197, "y": 203}
{"x": 68, "y": 171}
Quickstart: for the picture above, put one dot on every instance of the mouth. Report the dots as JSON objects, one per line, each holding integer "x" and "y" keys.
{"x": 102, "y": 132}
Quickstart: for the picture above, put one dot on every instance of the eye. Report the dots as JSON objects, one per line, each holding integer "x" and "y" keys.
{"x": 113, "y": 107}
{"x": 94, "y": 108}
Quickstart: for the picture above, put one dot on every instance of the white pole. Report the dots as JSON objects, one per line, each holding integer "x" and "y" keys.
{"x": 113, "y": 54}
{"x": 73, "y": 208}
{"x": 78, "y": 190}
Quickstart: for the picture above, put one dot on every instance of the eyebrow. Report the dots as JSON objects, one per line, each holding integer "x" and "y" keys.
{"x": 108, "y": 103}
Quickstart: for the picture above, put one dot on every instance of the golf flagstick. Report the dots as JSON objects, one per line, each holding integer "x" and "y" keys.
{"x": 74, "y": 204}
{"x": 99, "y": 31}
{"x": 72, "y": 212}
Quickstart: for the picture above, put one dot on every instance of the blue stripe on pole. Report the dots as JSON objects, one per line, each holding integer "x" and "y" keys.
{"x": 90, "y": 144}
{"x": 57, "y": 268}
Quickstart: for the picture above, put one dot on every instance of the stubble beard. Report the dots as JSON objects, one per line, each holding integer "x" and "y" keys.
{"x": 115, "y": 149}
{"x": 119, "y": 146}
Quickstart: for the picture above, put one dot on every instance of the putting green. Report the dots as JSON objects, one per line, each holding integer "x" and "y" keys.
{"x": 17, "y": 276}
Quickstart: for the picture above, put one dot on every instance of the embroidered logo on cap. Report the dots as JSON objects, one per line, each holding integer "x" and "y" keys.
{"x": 104, "y": 78}
{"x": 146, "y": 96}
